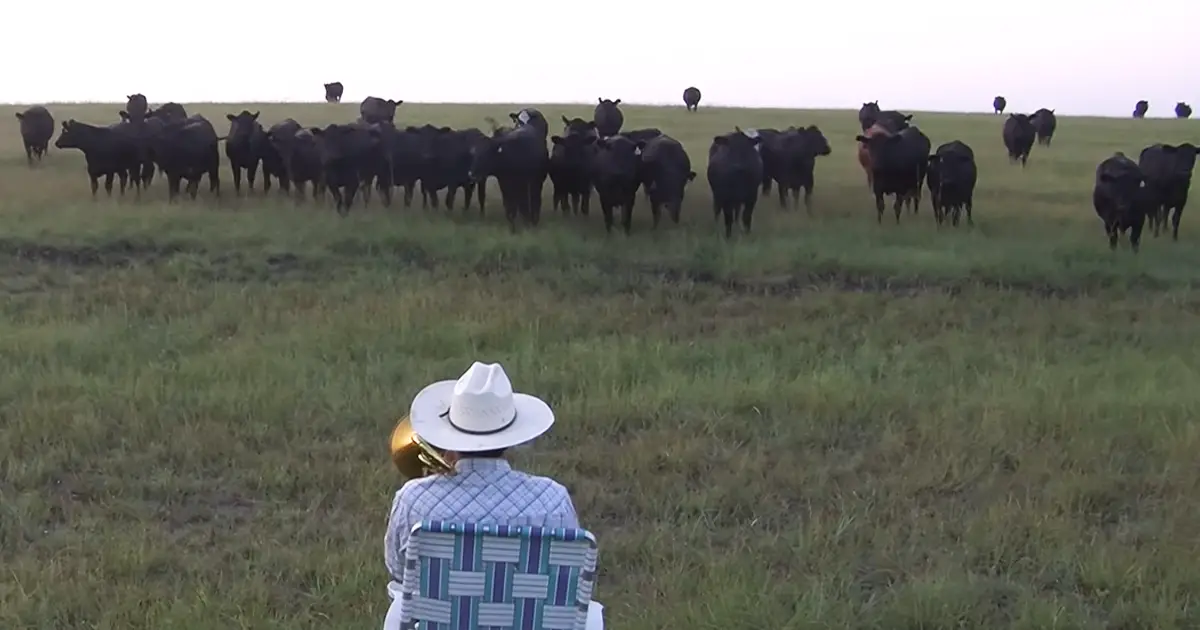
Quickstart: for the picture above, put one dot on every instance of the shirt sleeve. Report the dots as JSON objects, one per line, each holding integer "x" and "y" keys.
{"x": 395, "y": 540}
{"x": 563, "y": 513}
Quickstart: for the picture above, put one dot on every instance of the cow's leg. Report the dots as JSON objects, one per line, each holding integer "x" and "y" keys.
{"x": 1178, "y": 214}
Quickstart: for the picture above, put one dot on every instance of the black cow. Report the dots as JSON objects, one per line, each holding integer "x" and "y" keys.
{"x": 867, "y": 114}
{"x": 1167, "y": 171}
{"x": 169, "y": 112}
{"x": 642, "y": 135}
{"x": 1140, "y": 109}
{"x": 349, "y": 154}
{"x": 298, "y": 157}
{"x": 665, "y": 172}
{"x": 608, "y": 117}
{"x": 533, "y": 118}
{"x": 142, "y": 132}
{"x": 304, "y": 164}
{"x": 735, "y": 172}
{"x": 412, "y": 151}
{"x": 789, "y": 160}
{"x": 691, "y": 98}
{"x": 108, "y": 151}
{"x": 1019, "y": 135}
{"x": 898, "y": 164}
{"x": 1183, "y": 110}
{"x": 439, "y": 163}
{"x": 1044, "y": 123}
{"x": 1119, "y": 197}
{"x": 951, "y": 179}
{"x": 998, "y": 104}
{"x": 376, "y": 166}
{"x": 246, "y": 146}
{"x": 333, "y": 92}
{"x": 892, "y": 120}
{"x": 579, "y": 125}
{"x": 451, "y": 167}
{"x": 519, "y": 161}
{"x": 570, "y": 168}
{"x": 375, "y": 110}
{"x": 615, "y": 174}
{"x": 188, "y": 150}
{"x": 136, "y": 107}
{"x": 37, "y": 127}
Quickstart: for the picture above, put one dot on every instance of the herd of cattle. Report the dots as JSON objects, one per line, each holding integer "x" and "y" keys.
{"x": 589, "y": 155}
{"x": 1140, "y": 109}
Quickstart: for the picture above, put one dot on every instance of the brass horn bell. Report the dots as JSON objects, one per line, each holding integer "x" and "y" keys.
{"x": 414, "y": 457}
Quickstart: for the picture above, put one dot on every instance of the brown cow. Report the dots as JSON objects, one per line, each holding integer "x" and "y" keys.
{"x": 864, "y": 156}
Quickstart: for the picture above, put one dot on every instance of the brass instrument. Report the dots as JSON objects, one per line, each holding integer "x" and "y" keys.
{"x": 413, "y": 456}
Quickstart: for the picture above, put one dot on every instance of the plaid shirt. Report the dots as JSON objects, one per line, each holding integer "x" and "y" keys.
{"x": 484, "y": 491}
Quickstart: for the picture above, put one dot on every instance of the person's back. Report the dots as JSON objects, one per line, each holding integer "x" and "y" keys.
{"x": 473, "y": 421}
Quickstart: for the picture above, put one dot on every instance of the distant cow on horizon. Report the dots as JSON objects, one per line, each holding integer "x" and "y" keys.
{"x": 998, "y": 104}
{"x": 1140, "y": 109}
{"x": 691, "y": 98}
{"x": 333, "y": 92}
{"x": 1183, "y": 110}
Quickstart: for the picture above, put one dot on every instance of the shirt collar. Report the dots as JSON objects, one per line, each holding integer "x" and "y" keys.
{"x": 482, "y": 464}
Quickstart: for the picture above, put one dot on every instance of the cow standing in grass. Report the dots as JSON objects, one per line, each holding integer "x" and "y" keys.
{"x": 1044, "y": 123}
{"x": 570, "y": 166}
{"x": 376, "y": 110}
{"x": 1167, "y": 171}
{"x": 608, "y": 117}
{"x": 1119, "y": 197}
{"x": 1019, "y": 136}
{"x": 998, "y": 104}
{"x": 665, "y": 172}
{"x": 691, "y": 99}
{"x": 735, "y": 173}
{"x": 789, "y": 160}
{"x": 333, "y": 92}
{"x": 898, "y": 163}
{"x": 1140, "y": 109}
{"x": 519, "y": 161}
{"x": 951, "y": 179}
{"x": 108, "y": 151}
{"x": 37, "y": 127}
{"x": 1183, "y": 110}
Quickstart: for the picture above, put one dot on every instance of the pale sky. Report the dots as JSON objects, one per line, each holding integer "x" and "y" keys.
{"x": 1089, "y": 58}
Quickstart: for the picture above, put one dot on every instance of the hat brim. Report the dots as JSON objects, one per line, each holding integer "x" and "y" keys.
{"x": 534, "y": 417}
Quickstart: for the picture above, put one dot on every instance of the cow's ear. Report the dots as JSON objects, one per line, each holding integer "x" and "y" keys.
{"x": 255, "y": 115}
{"x": 20, "y": 116}
{"x": 908, "y": 118}
{"x": 600, "y": 101}
{"x": 861, "y": 138}
{"x": 316, "y": 131}
{"x": 566, "y": 121}
{"x": 617, "y": 102}
{"x": 691, "y": 175}
{"x": 720, "y": 140}
{"x": 231, "y": 117}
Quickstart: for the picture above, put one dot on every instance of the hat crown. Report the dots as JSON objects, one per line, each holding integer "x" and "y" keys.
{"x": 482, "y": 401}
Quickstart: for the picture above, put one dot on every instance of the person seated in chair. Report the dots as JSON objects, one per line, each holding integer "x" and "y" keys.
{"x": 474, "y": 420}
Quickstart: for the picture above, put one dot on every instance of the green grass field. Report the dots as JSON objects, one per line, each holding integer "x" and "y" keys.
{"x": 828, "y": 423}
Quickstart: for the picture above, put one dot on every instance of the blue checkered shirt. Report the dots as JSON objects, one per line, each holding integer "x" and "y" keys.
{"x": 483, "y": 491}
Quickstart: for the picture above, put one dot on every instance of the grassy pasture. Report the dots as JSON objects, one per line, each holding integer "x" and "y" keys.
{"x": 828, "y": 423}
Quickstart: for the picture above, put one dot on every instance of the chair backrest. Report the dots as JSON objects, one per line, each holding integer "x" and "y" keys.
{"x": 463, "y": 577}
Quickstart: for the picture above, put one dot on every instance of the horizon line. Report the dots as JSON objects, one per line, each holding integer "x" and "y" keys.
{"x": 574, "y": 104}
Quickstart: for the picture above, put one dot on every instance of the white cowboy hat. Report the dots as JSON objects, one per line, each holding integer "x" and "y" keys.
{"x": 478, "y": 412}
